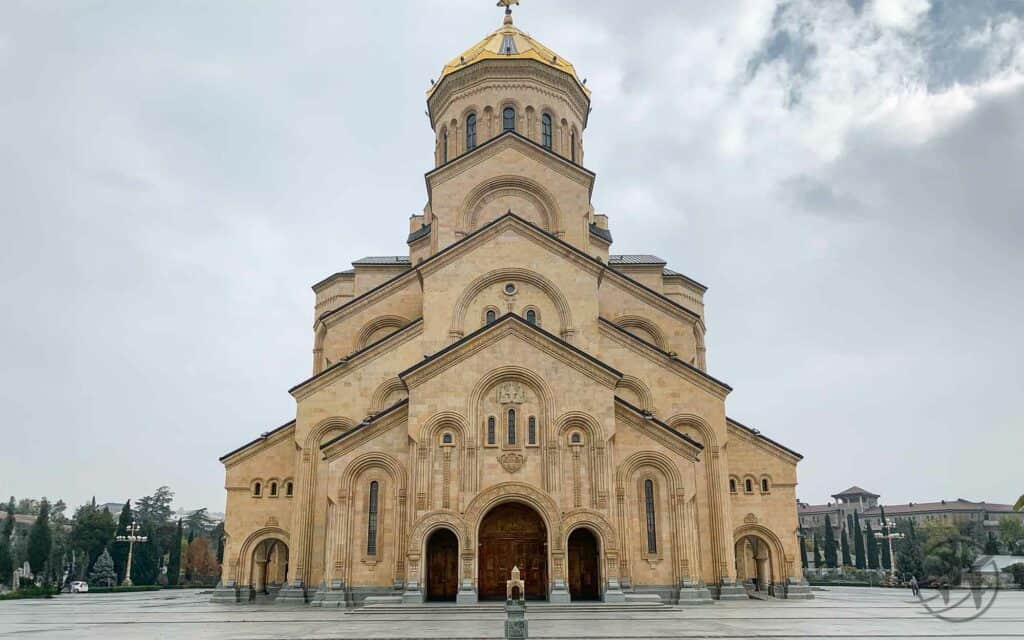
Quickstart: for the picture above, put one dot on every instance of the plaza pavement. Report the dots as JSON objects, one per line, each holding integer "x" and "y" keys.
{"x": 835, "y": 613}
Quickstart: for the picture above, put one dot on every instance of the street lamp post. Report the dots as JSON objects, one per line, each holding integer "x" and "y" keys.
{"x": 890, "y": 526}
{"x": 133, "y": 536}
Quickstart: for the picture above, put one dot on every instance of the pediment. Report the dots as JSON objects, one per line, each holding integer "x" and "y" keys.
{"x": 507, "y": 335}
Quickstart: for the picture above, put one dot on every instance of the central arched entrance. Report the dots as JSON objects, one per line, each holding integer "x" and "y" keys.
{"x": 269, "y": 568}
{"x": 513, "y": 535}
{"x": 584, "y": 568}
{"x": 754, "y": 563}
{"x": 442, "y": 566}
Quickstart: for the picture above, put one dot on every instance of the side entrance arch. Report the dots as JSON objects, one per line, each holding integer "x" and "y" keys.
{"x": 584, "y": 565}
{"x": 442, "y": 566}
{"x": 512, "y": 535}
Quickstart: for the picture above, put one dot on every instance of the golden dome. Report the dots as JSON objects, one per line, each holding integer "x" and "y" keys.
{"x": 509, "y": 43}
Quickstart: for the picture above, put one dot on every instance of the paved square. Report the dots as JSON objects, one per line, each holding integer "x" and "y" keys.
{"x": 835, "y": 613}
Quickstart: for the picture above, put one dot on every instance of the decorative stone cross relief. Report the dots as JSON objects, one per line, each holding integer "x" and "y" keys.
{"x": 511, "y": 393}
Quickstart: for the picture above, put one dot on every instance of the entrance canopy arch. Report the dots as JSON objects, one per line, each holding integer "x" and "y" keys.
{"x": 759, "y": 555}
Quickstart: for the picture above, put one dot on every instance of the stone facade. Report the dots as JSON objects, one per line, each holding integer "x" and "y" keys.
{"x": 509, "y": 360}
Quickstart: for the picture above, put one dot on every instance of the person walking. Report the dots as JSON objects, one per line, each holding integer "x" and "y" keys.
{"x": 914, "y": 589}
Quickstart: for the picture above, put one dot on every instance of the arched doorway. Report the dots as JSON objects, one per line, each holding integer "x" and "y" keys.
{"x": 442, "y": 565}
{"x": 754, "y": 563}
{"x": 513, "y": 535}
{"x": 584, "y": 567}
{"x": 269, "y": 568}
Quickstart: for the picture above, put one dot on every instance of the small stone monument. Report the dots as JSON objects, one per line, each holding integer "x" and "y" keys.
{"x": 515, "y": 608}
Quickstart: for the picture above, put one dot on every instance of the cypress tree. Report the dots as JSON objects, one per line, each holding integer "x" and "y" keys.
{"x": 817, "y": 554}
{"x": 858, "y": 542}
{"x": 831, "y": 560}
{"x": 872, "y": 547}
{"x": 802, "y": 538}
{"x": 120, "y": 554}
{"x": 844, "y": 545}
{"x": 174, "y": 563}
{"x": 991, "y": 545}
{"x": 40, "y": 539}
{"x": 886, "y": 558}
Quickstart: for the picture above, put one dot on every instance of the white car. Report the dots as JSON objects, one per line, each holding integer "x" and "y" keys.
{"x": 79, "y": 587}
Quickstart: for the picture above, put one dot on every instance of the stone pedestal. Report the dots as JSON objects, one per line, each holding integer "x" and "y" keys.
{"x": 694, "y": 593}
{"x": 225, "y": 592}
{"x": 559, "y": 593}
{"x": 466, "y": 593}
{"x": 613, "y": 592}
{"x": 729, "y": 590}
{"x": 332, "y": 597}
{"x": 516, "y": 625}
{"x": 796, "y": 590}
{"x": 413, "y": 594}
{"x": 292, "y": 594}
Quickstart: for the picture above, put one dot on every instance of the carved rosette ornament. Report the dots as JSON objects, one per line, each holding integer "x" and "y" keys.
{"x": 512, "y": 462}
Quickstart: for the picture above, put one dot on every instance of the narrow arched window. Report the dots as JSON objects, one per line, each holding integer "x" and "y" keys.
{"x": 652, "y": 533}
{"x": 471, "y": 132}
{"x": 748, "y": 486}
{"x": 764, "y": 485}
{"x": 572, "y": 146}
{"x": 531, "y": 317}
{"x": 289, "y": 489}
{"x": 575, "y": 438}
{"x": 490, "y": 430}
{"x": 508, "y": 119}
{"x": 545, "y": 131}
{"x": 491, "y": 316}
{"x": 531, "y": 430}
{"x": 371, "y": 521}
{"x": 446, "y": 438}
{"x": 511, "y": 426}
{"x": 444, "y": 146}
{"x": 257, "y": 489}
{"x": 732, "y": 485}
{"x": 273, "y": 489}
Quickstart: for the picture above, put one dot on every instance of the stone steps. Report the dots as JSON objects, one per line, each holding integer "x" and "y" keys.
{"x": 498, "y": 608}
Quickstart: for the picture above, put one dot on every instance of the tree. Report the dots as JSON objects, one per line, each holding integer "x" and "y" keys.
{"x": 1019, "y": 506}
{"x": 802, "y": 538}
{"x": 155, "y": 510}
{"x": 145, "y": 559}
{"x": 886, "y": 557}
{"x": 27, "y": 507}
{"x": 199, "y": 523}
{"x": 844, "y": 546}
{"x": 218, "y": 535}
{"x": 1011, "y": 534}
{"x": 200, "y": 562}
{"x": 947, "y": 553}
{"x": 909, "y": 550}
{"x": 8, "y": 529}
{"x": 991, "y": 545}
{"x": 174, "y": 564}
{"x": 872, "y": 547}
{"x": 858, "y": 542}
{"x": 103, "y": 571}
{"x": 830, "y": 544}
{"x": 1017, "y": 571}
{"x": 6, "y": 552}
{"x": 40, "y": 539}
{"x": 120, "y": 554}
{"x": 92, "y": 530}
{"x": 817, "y": 554}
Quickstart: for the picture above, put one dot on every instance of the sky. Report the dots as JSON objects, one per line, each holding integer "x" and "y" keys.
{"x": 846, "y": 177}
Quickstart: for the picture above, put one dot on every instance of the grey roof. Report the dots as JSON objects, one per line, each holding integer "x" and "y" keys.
{"x": 668, "y": 272}
{"x": 419, "y": 233}
{"x": 943, "y": 505}
{"x": 855, "y": 491}
{"x": 636, "y": 258}
{"x": 992, "y": 564}
{"x": 604, "y": 234}
{"x": 383, "y": 260}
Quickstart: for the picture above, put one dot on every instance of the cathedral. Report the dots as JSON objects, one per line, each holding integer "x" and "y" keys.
{"x": 510, "y": 393}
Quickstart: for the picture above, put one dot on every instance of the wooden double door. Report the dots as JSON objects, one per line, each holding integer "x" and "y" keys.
{"x": 513, "y": 535}
{"x": 442, "y": 566}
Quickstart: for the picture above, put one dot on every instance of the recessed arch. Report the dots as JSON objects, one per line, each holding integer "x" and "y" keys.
{"x": 643, "y": 328}
{"x": 375, "y": 329}
{"x": 638, "y": 391}
{"x": 510, "y": 185}
{"x": 388, "y": 393}
{"x": 766, "y": 535}
{"x": 243, "y": 564}
{"x": 477, "y": 286}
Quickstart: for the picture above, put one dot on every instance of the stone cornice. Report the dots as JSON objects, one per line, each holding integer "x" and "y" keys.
{"x": 510, "y": 325}
{"x": 369, "y": 429}
{"x": 356, "y": 359}
{"x": 687, "y": 371}
{"x": 560, "y": 83}
{"x": 651, "y": 427}
{"x": 765, "y": 443}
{"x": 501, "y": 142}
{"x": 275, "y": 436}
